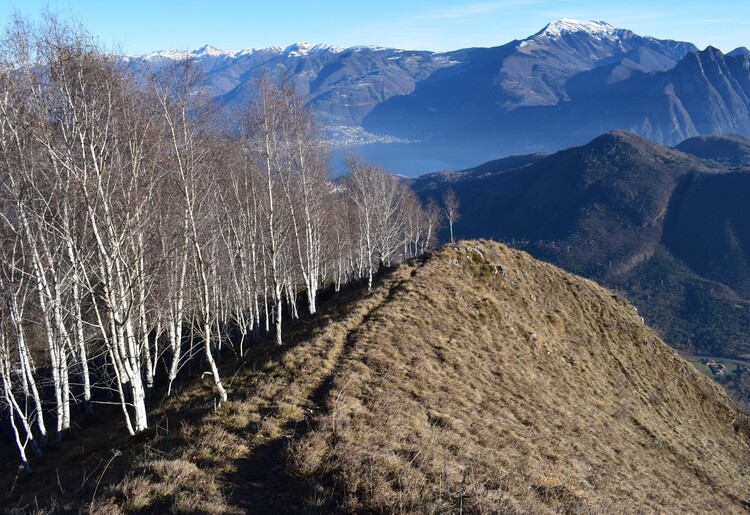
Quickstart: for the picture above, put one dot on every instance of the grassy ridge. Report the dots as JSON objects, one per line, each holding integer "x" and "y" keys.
{"x": 197, "y": 456}
{"x": 667, "y": 228}
{"x": 478, "y": 380}
{"x": 497, "y": 383}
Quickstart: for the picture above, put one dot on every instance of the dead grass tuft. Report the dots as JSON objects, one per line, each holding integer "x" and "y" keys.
{"x": 176, "y": 486}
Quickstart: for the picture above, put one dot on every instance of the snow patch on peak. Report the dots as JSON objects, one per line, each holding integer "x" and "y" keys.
{"x": 212, "y": 51}
{"x": 175, "y": 55}
{"x": 372, "y": 48}
{"x": 206, "y": 51}
{"x": 305, "y": 48}
{"x": 564, "y": 26}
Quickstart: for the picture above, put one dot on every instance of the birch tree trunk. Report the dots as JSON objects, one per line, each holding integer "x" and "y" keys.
{"x": 174, "y": 92}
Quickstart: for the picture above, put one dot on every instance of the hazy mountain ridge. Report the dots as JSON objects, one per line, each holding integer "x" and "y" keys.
{"x": 645, "y": 92}
{"x": 341, "y": 84}
{"x": 666, "y": 227}
{"x": 518, "y": 96}
{"x": 729, "y": 150}
{"x": 559, "y": 87}
{"x": 705, "y": 93}
{"x": 432, "y": 181}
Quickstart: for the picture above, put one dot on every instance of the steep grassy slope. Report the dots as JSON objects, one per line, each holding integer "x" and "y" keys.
{"x": 477, "y": 380}
{"x": 634, "y": 216}
{"x": 499, "y": 383}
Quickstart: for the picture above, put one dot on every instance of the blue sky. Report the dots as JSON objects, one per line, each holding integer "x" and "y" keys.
{"x": 140, "y": 26}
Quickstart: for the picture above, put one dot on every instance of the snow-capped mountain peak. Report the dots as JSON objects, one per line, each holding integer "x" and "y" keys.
{"x": 564, "y": 26}
{"x": 304, "y": 48}
{"x": 300, "y": 49}
{"x": 212, "y": 51}
{"x": 176, "y": 55}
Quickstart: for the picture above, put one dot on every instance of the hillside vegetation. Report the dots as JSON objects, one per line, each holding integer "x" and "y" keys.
{"x": 476, "y": 380}
{"x": 136, "y": 226}
{"x": 666, "y": 228}
{"x": 502, "y": 384}
{"x": 727, "y": 149}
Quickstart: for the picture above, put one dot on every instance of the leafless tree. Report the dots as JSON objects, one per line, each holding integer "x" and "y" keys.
{"x": 27, "y": 209}
{"x": 15, "y": 290}
{"x": 17, "y": 411}
{"x": 360, "y": 184}
{"x": 306, "y": 189}
{"x": 96, "y": 145}
{"x": 451, "y": 207}
{"x": 416, "y": 228}
{"x": 134, "y": 228}
{"x": 176, "y": 91}
{"x": 434, "y": 219}
{"x": 264, "y": 144}
{"x": 378, "y": 204}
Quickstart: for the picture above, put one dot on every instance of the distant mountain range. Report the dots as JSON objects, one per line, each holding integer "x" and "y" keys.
{"x": 669, "y": 227}
{"x": 341, "y": 84}
{"x": 417, "y": 111}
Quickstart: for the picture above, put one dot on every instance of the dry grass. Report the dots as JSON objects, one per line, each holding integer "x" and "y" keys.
{"x": 478, "y": 381}
{"x": 272, "y": 396}
{"x": 241, "y": 448}
{"x": 491, "y": 382}
{"x": 165, "y": 485}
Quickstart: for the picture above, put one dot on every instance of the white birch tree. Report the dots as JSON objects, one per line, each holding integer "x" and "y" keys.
{"x": 451, "y": 207}
{"x": 176, "y": 92}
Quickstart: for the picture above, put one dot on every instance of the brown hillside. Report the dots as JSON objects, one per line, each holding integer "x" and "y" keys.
{"x": 492, "y": 382}
{"x": 477, "y": 380}
{"x": 668, "y": 229}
